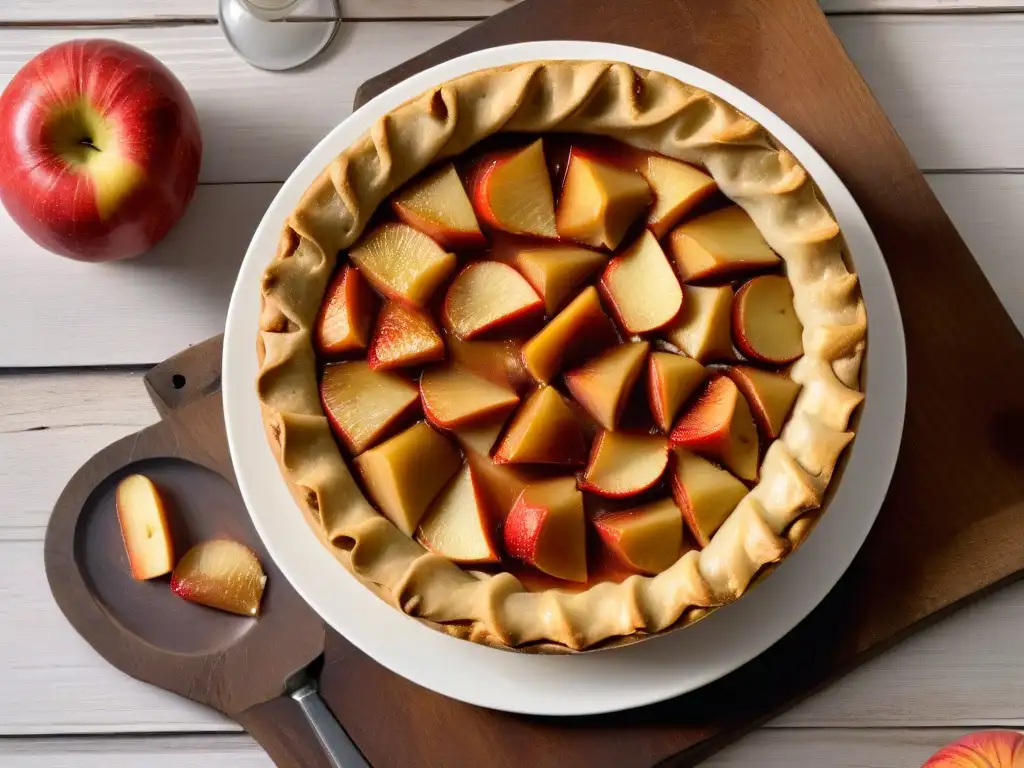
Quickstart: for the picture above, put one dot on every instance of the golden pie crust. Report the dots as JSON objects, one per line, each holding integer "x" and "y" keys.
{"x": 644, "y": 109}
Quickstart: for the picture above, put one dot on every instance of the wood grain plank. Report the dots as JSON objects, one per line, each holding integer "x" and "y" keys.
{"x": 204, "y": 10}
{"x": 777, "y": 748}
{"x": 140, "y": 312}
{"x": 944, "y": 80}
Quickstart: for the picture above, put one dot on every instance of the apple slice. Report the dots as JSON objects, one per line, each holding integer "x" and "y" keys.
{"x": 512, "y": 192}
{"x": 142, "y": 516}
{"x": 223, "y": 574}
{"x": 718, "y": 425}
{"x": 363, "y": 405}
{"x": 404, "y": 337}
{"x": 702, "y": 328}
{"x": 488, "y": 296}
{"x": 547, "y": 529}
{"x": 647, "y": 539}
{"x": 555, "y": 271}
{"x": 580, "y": 330}
{"x": 720, "y": 245}
{"x": 599, "y": 201}
{"x": 497, "y": 361}
{"x": 482, "y": 436}
{"x": 454, "y": 398}
{"x": 602, "y": 384}
{"x": 459, "y": 524}
{"x": 770, "y": 396}
{"x": 543, "y": 431}
{"x": 624, "y": 464}
{"x": 404, "y": 474}
{"x": 641, "y": 287}
{"x": 402, "y": 263}
{"x": 671, "y": 379}
{"x": 502, "y": 483}
{"x": 439, "y": 207}
{"x": 677, "y": 187}
{"x": 764, "y": 324}
{"x": 346, "y": 314}
{"x": 706, "y": 494}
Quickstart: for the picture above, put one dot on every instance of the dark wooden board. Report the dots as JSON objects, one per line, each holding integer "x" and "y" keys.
{"x": 951, "y": 525}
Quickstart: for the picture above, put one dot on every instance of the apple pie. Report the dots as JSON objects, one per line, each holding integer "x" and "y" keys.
{"x": 561, "y": 354}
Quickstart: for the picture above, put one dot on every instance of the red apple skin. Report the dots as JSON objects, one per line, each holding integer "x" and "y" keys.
{"x": 139, "y": 112}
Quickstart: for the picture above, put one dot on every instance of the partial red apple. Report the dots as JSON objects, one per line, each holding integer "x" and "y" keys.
{"x": 511, "y": 191}
{"x": 439, "y": 207}
{"x": 720, "y": 245}
{"x": 599, "y": 200}
{"x": 706, "y": 494}
{"x": 142, "y": 516}
{"x": 677, "y": 188}
{"x": 557, "y": 270}
{"x": 983, "y": 749}
{"x": 647, "y": 539}
{"x": 718, "y": 424}
{"x": 402, "y": 263}
{"x": 363, "y": 405}
{"x": 764, "y": 323}
{"x": 624, "y": 464}
{"x": 770, "y": 396}
{"x": 460, "y": 523}
{"x": 453, "y": 397}
{"x": 404, "y": 337}
{"x": 603, "y": 383}
{"x": 543, "y": 431}
{"x": 346, "y": 314}
{"x": 580, "y": 330}
{"x": 641, "y": 287}
{"x": 547, "y": 529}
{"x": 671, "y": 379}
{"x": 99, "y": 149}
{"x": 488, "y": 296}
{"x": 223, "y": 574}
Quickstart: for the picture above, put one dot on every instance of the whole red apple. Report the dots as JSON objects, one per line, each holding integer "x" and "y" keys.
{"x": 99, "y": 149}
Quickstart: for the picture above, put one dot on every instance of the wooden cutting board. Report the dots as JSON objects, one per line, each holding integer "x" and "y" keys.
{"x": 953, "y": 522}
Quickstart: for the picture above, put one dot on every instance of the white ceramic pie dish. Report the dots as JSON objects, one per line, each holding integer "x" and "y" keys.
{"x": 590, "y": 683}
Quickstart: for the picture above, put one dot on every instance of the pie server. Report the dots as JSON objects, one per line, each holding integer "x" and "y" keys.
{"x": 261, "y": 672}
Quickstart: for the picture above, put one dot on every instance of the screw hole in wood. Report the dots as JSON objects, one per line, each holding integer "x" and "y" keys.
{"x": 177, "y": 381}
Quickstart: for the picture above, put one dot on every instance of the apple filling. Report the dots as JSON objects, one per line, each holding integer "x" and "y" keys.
{"x": 563, "y": 358}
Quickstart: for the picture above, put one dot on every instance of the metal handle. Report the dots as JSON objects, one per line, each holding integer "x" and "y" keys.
{"x": 340, "y": 749}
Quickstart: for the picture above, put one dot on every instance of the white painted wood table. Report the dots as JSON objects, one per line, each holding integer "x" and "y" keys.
{"x": 76, "y": 339}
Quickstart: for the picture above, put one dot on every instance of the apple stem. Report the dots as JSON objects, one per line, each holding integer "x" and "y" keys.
{"x": 87, "y": 142}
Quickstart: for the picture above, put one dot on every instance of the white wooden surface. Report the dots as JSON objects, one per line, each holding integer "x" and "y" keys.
{"x": 950, "y": 74}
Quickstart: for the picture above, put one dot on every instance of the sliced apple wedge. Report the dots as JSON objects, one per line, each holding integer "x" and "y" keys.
{"x": 488, "y": 296}
{"x": 142, "y": 516}
{"x": 764, "y": 324}
{"x": 720, "y": 244}
{"x": 547, "y": 529}
{"x": 599, "y": 201}
{"x": 718, "y": 425}
{"x": 702, "y": 328}
{"x": 402, "y": 263}
{"x": 706, "y": 494}
{"x": 364, "y": 405}
{"x": 624, "y": 464}
{"x": 439, "y": 207}
{"x": 222, "y": 574}
{"x": 512, "y": 192}
{"x": 480, "y": 437}
{"x": 769, "y": 395}
{"x": 497, "y": 361}
{"x": 671, "y": 379}
{"x": 603, "y": 384}
{"x": 647, "y": 539}
{"x": 404, "y": 337}
{"x": 503, "y": 483}
{"x": 579, "y": 331}
{"x": 460, "y": 524}
{"x": 453, "y": 397}
{"x": 404, "y": 474}
{"x": 555, "y": 271}
{"x": 677, "y": 187}
{"x": 346, "y": 314}
{"x": 641, "y": 287}
{"x": 543, "y": 431}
